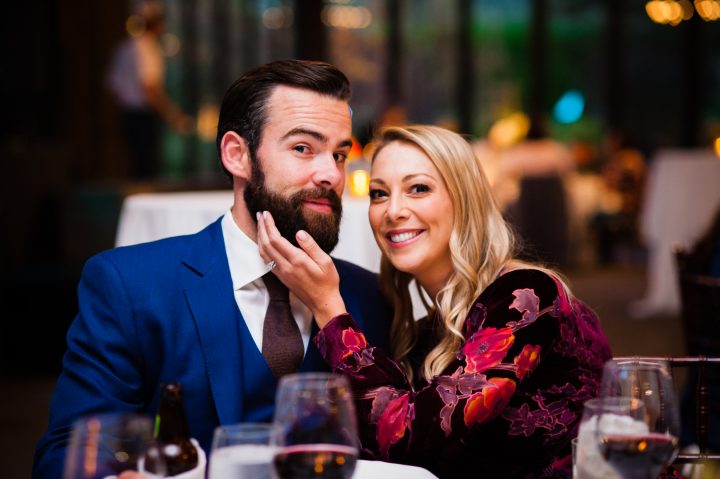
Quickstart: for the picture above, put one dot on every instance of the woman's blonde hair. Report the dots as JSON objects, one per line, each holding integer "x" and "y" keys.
{"x": 481, "y": 244}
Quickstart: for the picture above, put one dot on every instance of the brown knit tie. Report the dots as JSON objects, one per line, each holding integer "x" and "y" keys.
{"x": 282, "y": 343}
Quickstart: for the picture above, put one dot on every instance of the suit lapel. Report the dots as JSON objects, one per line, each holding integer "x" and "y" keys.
{"x": 212, "y": 303}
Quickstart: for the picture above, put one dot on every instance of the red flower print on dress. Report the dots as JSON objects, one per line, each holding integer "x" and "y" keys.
{"x": 527, "y": 360}
{"x": 393, "y": 423}
{"x": 487, "y": 348}
{"x": 353, "y": 341}
{"x": 488, "y": 403}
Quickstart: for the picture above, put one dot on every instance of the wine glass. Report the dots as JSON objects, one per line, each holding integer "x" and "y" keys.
{"x": 104, "y": 445}
{"x": 241, "y": 451}
{"x": 641, "y": 454}
{"x": 314, "y": 427}
{"x": 616, "y": 414}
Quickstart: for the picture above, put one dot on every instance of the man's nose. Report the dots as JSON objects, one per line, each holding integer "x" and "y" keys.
{"x": 328, "y": 173}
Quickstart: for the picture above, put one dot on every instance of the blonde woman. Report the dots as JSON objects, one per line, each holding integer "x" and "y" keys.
{"x": 491, "y": 383}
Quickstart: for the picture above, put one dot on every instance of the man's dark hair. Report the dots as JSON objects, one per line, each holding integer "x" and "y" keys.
{"x": 244, "y": 106}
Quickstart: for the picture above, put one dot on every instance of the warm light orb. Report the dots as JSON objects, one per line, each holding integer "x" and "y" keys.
{"x": 207, "y": 120}
{"x": 509, "y": 130}
{"x": 709, "y": 10}
{"x": 717, "y": 146}
{"x": 359, "y": 183}
{"x": 670, "y": 12}
{"x": 135, "y": 25}
{"x": 170, "y": 45}
{"x": 347, "y": 17}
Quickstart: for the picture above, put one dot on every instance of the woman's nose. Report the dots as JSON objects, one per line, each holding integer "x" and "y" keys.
{"x": 397, "y": 208}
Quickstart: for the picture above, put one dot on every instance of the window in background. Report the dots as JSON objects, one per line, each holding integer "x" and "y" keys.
{"x": 214, "y": 42}
{"x": 577, "y": 69}
{"x": 357, "y": 44}
{"x": 652, "y": 78}
{"x": 500, "y": 35}
{"x": 428, "y": 32}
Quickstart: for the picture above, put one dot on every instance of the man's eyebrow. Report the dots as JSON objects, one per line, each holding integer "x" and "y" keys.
{"x": 315, "y": 134}
{"x": 304, "y": 131}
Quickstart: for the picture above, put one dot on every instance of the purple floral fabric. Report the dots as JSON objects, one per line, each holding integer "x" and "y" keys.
{"x": 509, "y": 403}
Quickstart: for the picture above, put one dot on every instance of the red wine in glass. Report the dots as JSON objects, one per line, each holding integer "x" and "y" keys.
{"x": 638, "y": 456}
{"x": 330, "y": 461}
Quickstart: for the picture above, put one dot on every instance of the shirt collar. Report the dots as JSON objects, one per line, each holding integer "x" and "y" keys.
{"x": 246, "y": 264}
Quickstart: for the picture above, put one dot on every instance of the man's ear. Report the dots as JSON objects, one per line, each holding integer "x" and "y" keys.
{"x": 235, "y": 155}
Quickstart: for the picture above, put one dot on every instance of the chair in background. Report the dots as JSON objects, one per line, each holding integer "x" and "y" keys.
{"x": 700, "y": 316}
{"x": 700, "y": 305}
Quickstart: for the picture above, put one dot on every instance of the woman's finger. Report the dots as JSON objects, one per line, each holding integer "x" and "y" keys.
{"x": 287, "y": 250}
{"x": 313, "y": 250}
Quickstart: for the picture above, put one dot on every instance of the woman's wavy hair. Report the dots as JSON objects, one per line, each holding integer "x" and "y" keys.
{"x": 481, "y": 244}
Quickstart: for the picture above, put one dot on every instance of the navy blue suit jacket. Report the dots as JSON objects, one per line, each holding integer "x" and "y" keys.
{"x": 165, "y": 311}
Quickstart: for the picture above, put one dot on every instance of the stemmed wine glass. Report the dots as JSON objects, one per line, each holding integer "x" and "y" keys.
{"x": 641, "y": 454}
{"x": 616, "y": 415}
{"x": 314, "y": 427}
{"x": 241, "y": 451}
{"x": 105, "y": 445}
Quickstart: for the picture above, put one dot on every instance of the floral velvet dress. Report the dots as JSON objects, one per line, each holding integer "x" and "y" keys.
{"x": 509, "y": 403}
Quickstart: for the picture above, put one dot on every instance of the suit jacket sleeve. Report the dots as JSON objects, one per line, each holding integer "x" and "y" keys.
{"x": 101, "y": 368}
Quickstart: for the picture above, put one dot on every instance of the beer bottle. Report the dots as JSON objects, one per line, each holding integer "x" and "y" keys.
{"x": 177, "y": 453}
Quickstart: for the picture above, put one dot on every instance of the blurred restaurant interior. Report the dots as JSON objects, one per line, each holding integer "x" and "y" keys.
{"x": 622, "y": 86}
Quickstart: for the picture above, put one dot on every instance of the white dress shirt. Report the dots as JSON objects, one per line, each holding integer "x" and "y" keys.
{"x": 251, "y": 295}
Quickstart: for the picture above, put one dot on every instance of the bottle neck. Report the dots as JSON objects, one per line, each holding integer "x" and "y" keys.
{"x": 170, "y": 422}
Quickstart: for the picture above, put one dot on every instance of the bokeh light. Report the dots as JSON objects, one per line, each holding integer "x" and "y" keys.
{"x": 570, "y": 107}
{"x": 509, "y": 130}
{"x": 359, "y": 184}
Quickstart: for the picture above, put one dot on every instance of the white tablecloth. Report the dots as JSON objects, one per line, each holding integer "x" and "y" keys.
{"x": 151, "y": 216}
{"x": 681, "y": 197}
{"x": 381, "y": 470}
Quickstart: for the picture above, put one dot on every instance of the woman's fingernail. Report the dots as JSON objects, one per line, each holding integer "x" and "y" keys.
{"x": 301, "y": 235}
{"x": 257, "y": 216}
{"x": 266, "y": 215}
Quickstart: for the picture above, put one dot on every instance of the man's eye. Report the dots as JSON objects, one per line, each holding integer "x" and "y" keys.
{"x": 420, "y": 188}
{"x": 340, "y": 157}
{"x": 301, "y": 149}
{"x": 375, "y": 194}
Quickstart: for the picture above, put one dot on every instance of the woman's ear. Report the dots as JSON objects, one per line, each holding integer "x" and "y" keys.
{"x": 235, "y": 155}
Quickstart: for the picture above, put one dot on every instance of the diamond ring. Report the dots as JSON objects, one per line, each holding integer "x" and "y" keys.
{"x": 271, "y": 265}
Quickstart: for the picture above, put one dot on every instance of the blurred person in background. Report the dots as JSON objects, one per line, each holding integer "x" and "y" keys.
{"x": 136, "y": 78}
{"x": 624, "y": 173}
{"x": 540, "y": 213}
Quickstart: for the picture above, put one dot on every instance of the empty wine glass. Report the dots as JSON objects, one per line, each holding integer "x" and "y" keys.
{"x": 314, "y": 427}
{"x": 641, "y": 454}
{"x": 105, "y": 445}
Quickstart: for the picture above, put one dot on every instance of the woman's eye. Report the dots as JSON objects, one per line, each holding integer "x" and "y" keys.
{"x": 420, "y": 188}
{"x": 375, "y": 194}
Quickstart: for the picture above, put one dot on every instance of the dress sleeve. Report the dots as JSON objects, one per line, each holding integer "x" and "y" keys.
{"x": 507, "y": 332}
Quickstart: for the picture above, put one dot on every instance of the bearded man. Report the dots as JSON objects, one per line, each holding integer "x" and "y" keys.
{"x": 205, "y": 310}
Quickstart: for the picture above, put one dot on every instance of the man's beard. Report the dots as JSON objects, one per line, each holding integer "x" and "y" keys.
{"x": 289, "y": 213}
